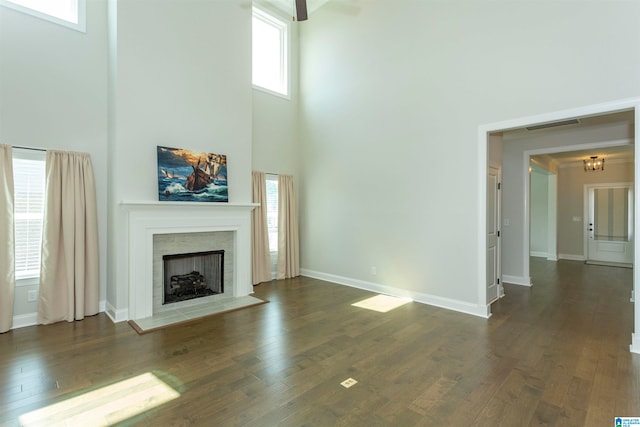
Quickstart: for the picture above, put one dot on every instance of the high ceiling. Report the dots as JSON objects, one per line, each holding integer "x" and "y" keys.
{"x": 288, "y": 6}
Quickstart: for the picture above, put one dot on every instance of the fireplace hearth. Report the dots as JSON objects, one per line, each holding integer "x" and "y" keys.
{"x": 192, "y": 275}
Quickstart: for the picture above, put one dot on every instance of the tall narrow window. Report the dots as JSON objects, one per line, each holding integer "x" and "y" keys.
{"x": 270, "y": 52}
{"x": 70, "y": 13}
{"x": 272, "y": 211}
{"x": 28, "y": 182}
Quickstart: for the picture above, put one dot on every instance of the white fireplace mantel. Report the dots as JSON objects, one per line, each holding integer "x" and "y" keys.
{"x": 146, "y": 218}
{"x": 151, "y": 204}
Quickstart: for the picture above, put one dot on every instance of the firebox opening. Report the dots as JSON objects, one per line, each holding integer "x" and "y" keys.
{"x": 192, "y": 275}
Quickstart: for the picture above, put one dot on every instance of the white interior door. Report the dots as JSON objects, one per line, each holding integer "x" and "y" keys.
{"x": 610, "y": 223}
{"x": 493, "y": 234}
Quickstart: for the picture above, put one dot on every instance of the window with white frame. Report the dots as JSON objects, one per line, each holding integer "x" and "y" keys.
{"x": 270, "y": 53}
{"x": 29, "y": 194}
{"x": 272, "y": 212}
{"x": 70, "y": 13}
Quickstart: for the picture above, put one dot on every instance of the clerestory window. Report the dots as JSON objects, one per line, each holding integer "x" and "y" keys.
{"x": 270, "y": 53}
{"x": 70, "y": 13}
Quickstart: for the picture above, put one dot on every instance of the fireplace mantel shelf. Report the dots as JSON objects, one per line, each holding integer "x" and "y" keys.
{"x": 154, "y": 204}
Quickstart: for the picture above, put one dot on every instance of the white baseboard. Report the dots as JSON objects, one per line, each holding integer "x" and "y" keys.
{"x": 447, "y": 303}
{"x": 571, "y": 257}
{"x": 635, "y": 344}
{"x": 516, "y": 280}
{"x": 548, "y": 256}
{"x": 31, "y": 319}
{"x": 538, "y": 254}
{"x": 23, "y": 320}
{"x": 116, "y": 316}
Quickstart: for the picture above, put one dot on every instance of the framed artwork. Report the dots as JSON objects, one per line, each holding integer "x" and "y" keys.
{"x": 191, "y": 176}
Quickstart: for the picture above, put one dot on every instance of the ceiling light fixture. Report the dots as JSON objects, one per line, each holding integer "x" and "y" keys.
{"x": 593, "y": 164}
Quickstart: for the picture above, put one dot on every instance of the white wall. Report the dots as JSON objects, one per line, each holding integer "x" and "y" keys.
{"x": 275, "y": 136}
{"x": 174, "y": 73}
{"x": 180, "y": 77}
{"x": 53, "y": 95}
{"x": 275, "y": 119}
{"x": 539, "y": 212}
{"x": 392, "y": 97}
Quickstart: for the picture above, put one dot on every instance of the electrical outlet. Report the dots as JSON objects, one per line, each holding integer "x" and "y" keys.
{"x": 32, "y": 296}
{"x": 349, "y": 382}
{"x": 374, "y": 270}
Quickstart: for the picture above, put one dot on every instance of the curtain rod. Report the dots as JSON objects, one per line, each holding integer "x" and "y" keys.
{"x": 28, "y": 148}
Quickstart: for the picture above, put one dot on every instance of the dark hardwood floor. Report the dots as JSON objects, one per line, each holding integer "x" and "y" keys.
{"x": 554, "y": 354}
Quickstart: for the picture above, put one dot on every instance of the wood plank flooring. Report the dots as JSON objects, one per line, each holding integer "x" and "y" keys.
{"x": 556, "y": 354}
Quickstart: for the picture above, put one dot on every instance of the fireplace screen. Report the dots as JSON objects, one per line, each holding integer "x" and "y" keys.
{"x": 193, "y": 275}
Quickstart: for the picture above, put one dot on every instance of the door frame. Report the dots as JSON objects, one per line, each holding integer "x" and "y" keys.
{"x": 526, "y": 223}
{"x": 484, "y": 130}
{"x": 587, "y": 209}
{"x": 498, "y": 213}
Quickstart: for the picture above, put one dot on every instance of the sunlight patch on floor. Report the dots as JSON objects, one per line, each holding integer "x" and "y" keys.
{"x": 105, "y": 406}
{"x": 381, "y": 303}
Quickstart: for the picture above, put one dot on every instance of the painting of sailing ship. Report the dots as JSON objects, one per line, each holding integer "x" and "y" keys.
{"x": 191, "y": 176}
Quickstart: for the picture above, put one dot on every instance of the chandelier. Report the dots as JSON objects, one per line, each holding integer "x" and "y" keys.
{"x": 593, "y": 164}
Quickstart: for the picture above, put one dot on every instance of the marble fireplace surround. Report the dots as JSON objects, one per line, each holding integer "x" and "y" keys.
{"x": 146, "y": 219}
{"x": 189, "y": 243}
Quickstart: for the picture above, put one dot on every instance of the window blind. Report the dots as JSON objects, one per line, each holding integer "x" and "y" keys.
{"x": 28, "y": 178}
{"x": 272, "y": 213}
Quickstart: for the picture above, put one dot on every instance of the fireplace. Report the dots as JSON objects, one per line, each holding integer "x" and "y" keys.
{"x": 156, "y": 229}
{"x": 192, "y": 275}
{"x": 191, "y": 255}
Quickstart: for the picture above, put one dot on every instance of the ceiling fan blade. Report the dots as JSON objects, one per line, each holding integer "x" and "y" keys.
{"x": 301, "y": 10}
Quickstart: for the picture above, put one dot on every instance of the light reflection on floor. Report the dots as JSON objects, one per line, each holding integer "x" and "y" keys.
{"x": 381, "y": 303}
{"x": 105, "y": 406}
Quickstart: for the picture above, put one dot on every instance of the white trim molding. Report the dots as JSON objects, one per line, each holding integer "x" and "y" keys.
{"x": 31, "y": 319}
{"x": 517, "y": 280}
{"x": 434, "y": 300}
{"x": 635, "y": 343}
{"x": 571, "y": 257}
{"x": 145, "y": 219}
{"x": 116, "y": 315}
{"x": 23, "y": 320}
{"x": 484, "y": 130}
{"x": 60, "y": 16}
{"x": 539, "y": 254}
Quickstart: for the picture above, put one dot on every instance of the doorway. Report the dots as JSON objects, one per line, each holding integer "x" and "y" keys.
{"x": 608, "y": 236}
{"x": 521, "y": 231}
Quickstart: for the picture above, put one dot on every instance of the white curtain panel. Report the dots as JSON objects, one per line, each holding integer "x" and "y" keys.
{"x": 288, "y": 240}
{"x": 69, "y": 277}
{"x": 261, "y": 262}
{"x": 7, "y": 255}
